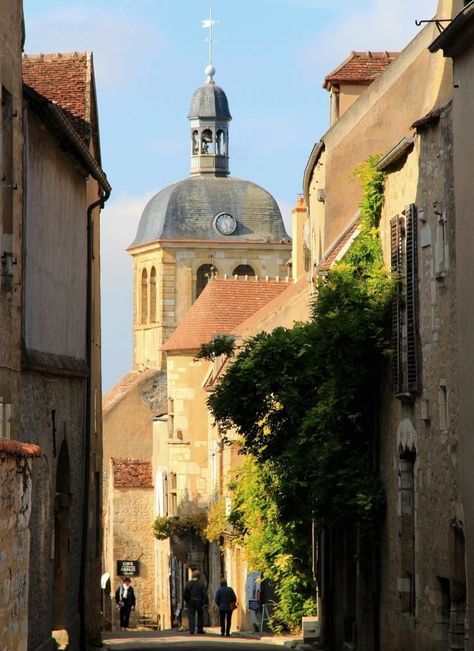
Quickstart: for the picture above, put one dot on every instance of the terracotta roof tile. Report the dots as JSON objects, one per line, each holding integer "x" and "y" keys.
{"x": 293, "y": 290}
{"x": 360, "y": 68}
{"x": 132, "y": 473}
{"x": 65, "y": 80}
{"x": 130, "y": 380}
{"x": 19, "y": 449}
{"x": 220, "y": 308}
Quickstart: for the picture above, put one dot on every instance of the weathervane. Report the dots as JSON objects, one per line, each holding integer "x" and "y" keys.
{"x": 209, "y": 23}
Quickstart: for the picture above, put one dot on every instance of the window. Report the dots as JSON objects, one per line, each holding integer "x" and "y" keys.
{"x": 172, "y": 494}
{"x": 243, "y": 270}
{"x": 153, "y": 295}
{"x": 170, "y": 418}
{"x": 203, "y": 274}
{"x": 441, "y": 246}
{"x": 144, "y": 298}
{"x": 161, "y": 493}
{"x": 407, "y": 581}
{"x": 5, "y": 419}
{"x": 443, "y": 406}
{"x": 405, "y": 371}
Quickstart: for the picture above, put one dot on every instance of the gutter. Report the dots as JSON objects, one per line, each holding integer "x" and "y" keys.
{"x": 105, "y": 189}
{"x": 313, "y": 159}
{"x": 395, "y": 154}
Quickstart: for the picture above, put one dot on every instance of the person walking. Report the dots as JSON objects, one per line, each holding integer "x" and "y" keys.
{"x": 125, "y": 598}
{"x": 226, "y": 601}
{"x": 195, "y": 596}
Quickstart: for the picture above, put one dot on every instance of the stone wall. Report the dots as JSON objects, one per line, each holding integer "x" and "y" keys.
{"x": 15, "y": 511}
{"x": 424, "y": 430}
{"x": 133, "y": 539}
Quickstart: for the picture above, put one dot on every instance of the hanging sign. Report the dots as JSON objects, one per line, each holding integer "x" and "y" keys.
{"x": 128, "y": 568}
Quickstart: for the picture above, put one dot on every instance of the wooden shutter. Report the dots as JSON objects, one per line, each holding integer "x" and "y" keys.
{"x": 396, "y": 265}
{"x": 412, "y": 298}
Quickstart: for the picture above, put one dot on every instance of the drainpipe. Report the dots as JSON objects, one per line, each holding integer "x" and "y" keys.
{"x": 105, "y": 190}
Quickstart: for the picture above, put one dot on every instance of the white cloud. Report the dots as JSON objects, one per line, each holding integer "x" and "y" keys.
{"x": 122, "y": 45}
{"x": 377, "y": 25}
{"x": 119, "y": 223}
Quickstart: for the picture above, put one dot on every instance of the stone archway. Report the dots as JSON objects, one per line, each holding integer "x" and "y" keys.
{"x": 61, "y": 538}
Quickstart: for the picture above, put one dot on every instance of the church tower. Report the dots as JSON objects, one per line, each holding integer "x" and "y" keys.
{"x": 207, "y": 224}
{"x": 210, "y": 116}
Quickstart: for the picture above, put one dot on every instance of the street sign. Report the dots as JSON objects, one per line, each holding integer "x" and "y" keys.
{"x": 128, "y": 568}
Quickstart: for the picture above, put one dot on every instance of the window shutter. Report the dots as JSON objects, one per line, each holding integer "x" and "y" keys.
{"x": 412, "y": 298}
{"x": 396, "y": 265}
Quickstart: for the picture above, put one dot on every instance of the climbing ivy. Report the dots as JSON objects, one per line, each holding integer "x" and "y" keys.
{"x": 180, "y": 526}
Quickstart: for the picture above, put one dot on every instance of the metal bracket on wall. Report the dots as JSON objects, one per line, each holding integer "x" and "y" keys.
{"x": 438, "y": 22}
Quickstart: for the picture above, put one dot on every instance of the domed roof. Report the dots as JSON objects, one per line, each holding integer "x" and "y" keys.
{"x": 187, "y": 210}
{"x": 209, "y": 101}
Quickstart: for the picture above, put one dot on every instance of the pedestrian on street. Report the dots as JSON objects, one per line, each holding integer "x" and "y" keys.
{"x": 195, "y": 596}
{"x": 125, "y": 598}
{"x": 226, "y": 601}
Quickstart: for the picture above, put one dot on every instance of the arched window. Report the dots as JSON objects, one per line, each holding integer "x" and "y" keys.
{"x": 220, "y": 142}
{"x": 153, "y": 295}
{"x": 195, "y": 142}
{"x": 206, "y": 142}
{"x": 243, "y": 270}
{"x": 203, "y": 274}
{"x": 144, "y": 298}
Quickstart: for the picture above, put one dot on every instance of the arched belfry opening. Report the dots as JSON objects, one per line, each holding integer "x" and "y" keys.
{"x": 203, "y": 274}
{"x": 61, "y": 538}
{"x": 244, "y": 270}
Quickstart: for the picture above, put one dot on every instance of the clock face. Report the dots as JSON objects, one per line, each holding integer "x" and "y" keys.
{"x": 225, "y": 223}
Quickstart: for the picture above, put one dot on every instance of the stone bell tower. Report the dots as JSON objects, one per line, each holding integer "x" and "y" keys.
{"x": 209, "y": 116}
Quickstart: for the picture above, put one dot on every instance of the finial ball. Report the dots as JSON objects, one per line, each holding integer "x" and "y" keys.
{"x": 210, "y": 71}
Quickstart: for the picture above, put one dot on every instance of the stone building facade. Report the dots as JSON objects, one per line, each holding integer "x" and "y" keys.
{"x": 52, "y": 189}
{"x": 409, "y": 591}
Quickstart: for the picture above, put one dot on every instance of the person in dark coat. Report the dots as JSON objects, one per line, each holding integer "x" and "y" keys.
{"x": 125, "y": 598}
{"x": 195, "y": 596}
{"x": 226, "y": 601}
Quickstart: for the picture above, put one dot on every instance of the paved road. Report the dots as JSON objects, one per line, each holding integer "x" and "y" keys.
{"x": 172, "y": 641}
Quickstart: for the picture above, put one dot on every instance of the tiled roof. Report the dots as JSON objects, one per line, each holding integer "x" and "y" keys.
{"x": 18, "y": 449}
{"x": 223, "y": 304}
{"x": 291, "y": 291}
{"x": 123, "y": 386}
{"x": 132, "y": 473}
{"x": 340, "y": 246}
{"x": 360, "y": 68}
{"x": 65, "y": 80}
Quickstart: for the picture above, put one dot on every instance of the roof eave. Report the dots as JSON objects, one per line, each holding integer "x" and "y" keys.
{"x": 63, "y": 130}
{"x": 458, "y": 35}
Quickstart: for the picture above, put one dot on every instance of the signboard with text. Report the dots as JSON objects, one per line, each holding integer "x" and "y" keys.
{"x": 128, "y": 568}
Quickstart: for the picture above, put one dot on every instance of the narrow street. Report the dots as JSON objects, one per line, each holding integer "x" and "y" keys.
{"x": 172, "y": 640}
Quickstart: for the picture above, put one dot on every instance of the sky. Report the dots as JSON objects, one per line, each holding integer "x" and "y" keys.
{"x": 271, "y": 57}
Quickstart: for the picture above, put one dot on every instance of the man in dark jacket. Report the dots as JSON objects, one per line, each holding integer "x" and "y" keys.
{"x": 226, "y": 601}
{"x": 195, "y": 596}
{"x": 125, "y": 598}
